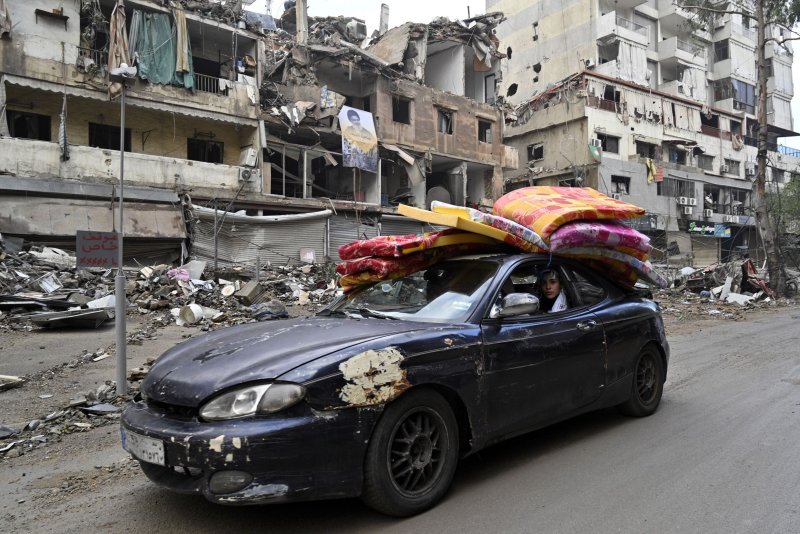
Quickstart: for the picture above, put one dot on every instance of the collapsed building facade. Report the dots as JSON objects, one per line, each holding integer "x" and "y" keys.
{"x": 229, "y": 113}
{"x": 623, "y": 97}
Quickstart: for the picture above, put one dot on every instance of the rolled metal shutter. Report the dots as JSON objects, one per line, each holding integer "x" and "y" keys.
{"x": 400, "y": 225}
{"x": 705, "y": 251}
{"x": 242, "y": 241}
{"x": 346, "y": 228}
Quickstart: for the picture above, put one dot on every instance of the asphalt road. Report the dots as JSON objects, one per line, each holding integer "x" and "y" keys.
{"x": 722, "y": 454}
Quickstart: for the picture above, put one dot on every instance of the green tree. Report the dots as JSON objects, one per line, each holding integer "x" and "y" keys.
{"x": 769, "y": 16}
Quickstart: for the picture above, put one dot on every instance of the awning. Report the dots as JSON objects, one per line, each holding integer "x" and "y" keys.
{"x": 130, "y": 99}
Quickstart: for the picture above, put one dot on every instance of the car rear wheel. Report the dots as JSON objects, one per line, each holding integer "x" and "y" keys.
{"x": 648, "y": 384}
{"x": 412, "y": 456}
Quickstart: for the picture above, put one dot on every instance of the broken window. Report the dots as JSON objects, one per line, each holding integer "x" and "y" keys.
{"x": 676, "y": 155}
{"x": 29, "y": 125}
{"x": 445, "y": 123}
{"x": 204, "y": 150}
{"x": 105, "y": 136}
{"x": 401, "y": 110}
{"x": 646, "y": 150}
{"x": 535, "y": 152}
{"x": 609, "y": 143}
{"x": 777, "y": 175}
{"x": 620, "y": 185}
{"x": 484, "y": 131}
{"x": 489, "y": 89}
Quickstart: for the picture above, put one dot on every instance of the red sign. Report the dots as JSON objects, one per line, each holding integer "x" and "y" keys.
{"x": 96, "y": 249}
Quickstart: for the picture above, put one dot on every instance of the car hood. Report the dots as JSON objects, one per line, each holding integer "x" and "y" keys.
{"x": 189, "y": 373}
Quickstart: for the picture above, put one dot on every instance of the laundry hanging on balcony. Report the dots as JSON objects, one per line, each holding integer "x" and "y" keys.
{"x": 157, "y": 50}
{"x": 118, "y": 46}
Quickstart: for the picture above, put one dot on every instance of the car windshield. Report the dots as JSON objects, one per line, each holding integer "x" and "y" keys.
{"x": 446, "y": 292}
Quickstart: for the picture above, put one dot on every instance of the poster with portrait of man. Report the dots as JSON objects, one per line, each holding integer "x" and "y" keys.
{"x": 359, "y": 140}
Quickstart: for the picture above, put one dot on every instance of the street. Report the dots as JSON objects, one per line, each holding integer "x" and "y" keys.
{"x": 720, "y": 455}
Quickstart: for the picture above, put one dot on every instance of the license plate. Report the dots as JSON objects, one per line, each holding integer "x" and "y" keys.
{"x": 146, "y": 449}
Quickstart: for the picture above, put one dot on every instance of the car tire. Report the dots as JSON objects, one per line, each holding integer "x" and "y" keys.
{"x": 412, "y": 456}
{"x": 648, "y": 384}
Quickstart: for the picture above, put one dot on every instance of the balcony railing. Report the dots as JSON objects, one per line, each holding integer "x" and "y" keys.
{"x": 746, "y": 32}
{"x": 715, "y": 132}
{"x": 98, "y": 57}
{"x": 789, "y": 151}
{"x": 753, "y": 141}
{"x": 633, "y": 26}
{"x": 211, "y": 84}
{"x": 689, "y": 47}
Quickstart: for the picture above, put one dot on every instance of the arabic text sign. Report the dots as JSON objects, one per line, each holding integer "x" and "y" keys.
{"x": 96, "y": 249}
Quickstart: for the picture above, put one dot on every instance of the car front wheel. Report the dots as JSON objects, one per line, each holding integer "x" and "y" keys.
{"x": 648, "y": 384}
{"x": 412, "y": 456}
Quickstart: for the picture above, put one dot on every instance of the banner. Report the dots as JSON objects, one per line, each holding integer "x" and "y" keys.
{"x": 359, "y": 140}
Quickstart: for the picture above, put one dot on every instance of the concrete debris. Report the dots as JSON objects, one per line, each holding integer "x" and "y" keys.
{"x": 8, "y": 382}
{"x": 84, "y": 297}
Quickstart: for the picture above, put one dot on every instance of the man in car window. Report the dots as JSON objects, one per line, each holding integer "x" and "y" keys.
{"x": 553, "y": 297}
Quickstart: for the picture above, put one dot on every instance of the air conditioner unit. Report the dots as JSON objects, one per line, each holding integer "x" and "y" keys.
{"x": 687, "y": 210}
{"x": 749, "y": 169}
{"x": 683, "y": 201}
{"x": 615, "y": 196}
{"x": 588, "y": 63}
{"x": 723, "y": 168}
{"x": 247, "y": 157}
{"x": 692, "y": 201}
{"x": 708, "y": 213}
{"x": 247, "y": 175}
{"x": 595, "y": 142}
{"x": 730, "y": 218}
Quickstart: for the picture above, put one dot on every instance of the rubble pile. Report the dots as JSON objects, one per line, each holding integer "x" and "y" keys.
{"x": 44, "y": 288}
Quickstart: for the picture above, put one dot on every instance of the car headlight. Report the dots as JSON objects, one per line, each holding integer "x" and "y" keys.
{"x": 260, "y": 399}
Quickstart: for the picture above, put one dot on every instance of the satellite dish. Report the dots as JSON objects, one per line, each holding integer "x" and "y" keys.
{"x": 437, "y": 193}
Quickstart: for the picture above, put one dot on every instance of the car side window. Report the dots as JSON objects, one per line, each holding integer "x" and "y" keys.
{"x": 587, "y": 291}
{"x": 531, "y": 278}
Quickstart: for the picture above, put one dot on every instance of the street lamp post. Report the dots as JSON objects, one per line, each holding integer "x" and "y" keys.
{"x": 125, "y": 76}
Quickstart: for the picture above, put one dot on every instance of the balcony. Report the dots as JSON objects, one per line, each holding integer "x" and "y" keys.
{"x": 715, "y": 132}
{"x": 673, "y": 18}
{"x": 40, "y": 159}
{"x": 673, "y": 50}
{"x": 781, "y": 86}
{"x": 611, "y": 27}
{"x": 672, "y": 88}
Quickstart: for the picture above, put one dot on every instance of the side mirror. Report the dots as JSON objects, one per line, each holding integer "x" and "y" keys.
{"x": 515, "y": 304}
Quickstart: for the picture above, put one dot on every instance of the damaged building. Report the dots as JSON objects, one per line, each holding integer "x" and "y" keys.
{"x": 228, "y": 113}
{"x": 623, "y": 97}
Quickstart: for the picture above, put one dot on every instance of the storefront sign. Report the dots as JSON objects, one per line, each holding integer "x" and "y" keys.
{"x": 710, "y": 230}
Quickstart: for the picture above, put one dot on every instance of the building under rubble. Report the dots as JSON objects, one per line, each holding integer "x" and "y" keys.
{"x": 622, "y": 97}
{"x": 229, "y": 112}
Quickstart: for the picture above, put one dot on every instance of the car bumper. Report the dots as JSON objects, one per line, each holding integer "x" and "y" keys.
{"x": 304, "y": 455}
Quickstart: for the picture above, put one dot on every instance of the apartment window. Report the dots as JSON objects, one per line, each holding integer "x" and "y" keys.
{"x": 105, "y": 136}
{"x": 445, "y": 121}
{"x": 484, "y": 131}
{"x": 535, "y": 152}
{"x": 777, "y": 175}
{"x": 401, "y": 110}
{"x": 721, "y": 51}
{"x": 738, "y": 201}
{"x": 769, "y": 68}
{"x": 733, "y": 167}
{"x": 489, "y": 88}
{"x": 620, "y": 185}
{"x": 29, "y": 125}
{"x": 676, "y": 155}
{"x": 673, "y": 187}
{"x": 646, "y": 150}
{"x": 736, "y": 127}
{"x": 204, "y": 150}
{"x": 609, "y": 143}
{"x": 705, "y": 162}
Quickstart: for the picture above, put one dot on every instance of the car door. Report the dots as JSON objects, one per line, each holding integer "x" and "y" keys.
{"x": 540, "y": 367}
